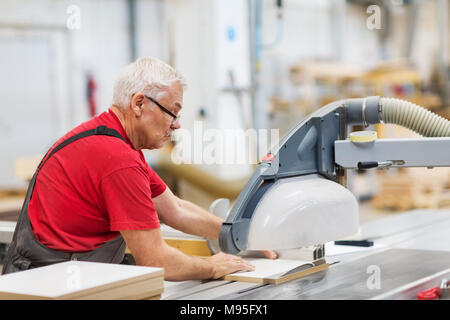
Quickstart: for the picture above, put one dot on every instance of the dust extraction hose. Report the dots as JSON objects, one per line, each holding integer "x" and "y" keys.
{"x": 414, "y": 117}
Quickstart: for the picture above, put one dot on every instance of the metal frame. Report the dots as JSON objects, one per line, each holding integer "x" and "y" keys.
{"x": 423, "y": 152}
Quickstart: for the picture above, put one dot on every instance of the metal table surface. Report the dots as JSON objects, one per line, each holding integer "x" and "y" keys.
{"x": 353, "y": 280}
{"x": 417, "y": 245}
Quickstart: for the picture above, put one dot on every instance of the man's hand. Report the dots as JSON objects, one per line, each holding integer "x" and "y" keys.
{"x": 224, "y": 264}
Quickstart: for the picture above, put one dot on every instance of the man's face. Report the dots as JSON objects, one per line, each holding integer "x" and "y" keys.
{"x": 155, "y": 126}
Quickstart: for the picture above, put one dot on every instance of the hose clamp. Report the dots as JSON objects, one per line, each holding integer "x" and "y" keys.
{"x": 380, "y": 111}
{"x": 364, "y": 113}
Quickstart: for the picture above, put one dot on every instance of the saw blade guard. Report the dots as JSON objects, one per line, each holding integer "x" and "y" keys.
{"x": 302, "y": 211}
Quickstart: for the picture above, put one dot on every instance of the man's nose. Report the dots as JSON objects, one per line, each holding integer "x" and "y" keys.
{"x": 175, "y": 125}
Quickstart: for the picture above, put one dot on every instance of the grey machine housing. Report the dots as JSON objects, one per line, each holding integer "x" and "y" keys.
{"x": 306, "y": 149}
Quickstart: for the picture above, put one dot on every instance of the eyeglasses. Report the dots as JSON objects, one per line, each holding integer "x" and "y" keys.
{"x": 175, "y": 118}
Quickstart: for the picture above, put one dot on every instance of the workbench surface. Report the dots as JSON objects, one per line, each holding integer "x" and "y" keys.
{"x": 411, "y": 246}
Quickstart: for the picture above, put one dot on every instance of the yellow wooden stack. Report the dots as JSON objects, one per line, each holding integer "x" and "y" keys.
{"x": 412, "y": 188}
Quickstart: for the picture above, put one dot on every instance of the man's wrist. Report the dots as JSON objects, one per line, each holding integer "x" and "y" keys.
{"x": 211, "y": 267}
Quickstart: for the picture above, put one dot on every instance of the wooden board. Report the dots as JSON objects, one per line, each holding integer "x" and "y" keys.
{"x": 277, "y": 271}
{"x": 157, "y": 297}
{"x": 298, "y": 274}
{"x": 92, "y": 281}
{"x": 411, "y": 188}
{"x": 190, "y": 246}
{"x": 25, "y": 167}
{"x": 134, "y": 291}
{"x": 187, "y": 243}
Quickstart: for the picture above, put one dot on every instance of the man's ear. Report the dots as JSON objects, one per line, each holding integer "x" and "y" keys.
{"x": 137, "y": 103}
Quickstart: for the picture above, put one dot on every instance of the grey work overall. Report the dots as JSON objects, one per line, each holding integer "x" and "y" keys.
{"x": 26, "y": 252}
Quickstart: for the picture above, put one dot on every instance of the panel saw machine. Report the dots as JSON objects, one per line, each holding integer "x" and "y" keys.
{"x": 296, "y": 199}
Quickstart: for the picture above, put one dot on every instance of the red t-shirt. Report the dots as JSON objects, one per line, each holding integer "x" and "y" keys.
{"x": 91, "y": 189}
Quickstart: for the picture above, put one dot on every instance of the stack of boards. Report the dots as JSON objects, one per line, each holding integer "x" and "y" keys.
{"x": 79, "y": 280}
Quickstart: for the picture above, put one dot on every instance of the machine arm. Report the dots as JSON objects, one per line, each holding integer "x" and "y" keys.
{"x": 428, "y": 152}
{"x": 309, "y": 150}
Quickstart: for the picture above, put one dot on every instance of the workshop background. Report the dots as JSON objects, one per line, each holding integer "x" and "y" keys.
{"x": 256, "y": 64}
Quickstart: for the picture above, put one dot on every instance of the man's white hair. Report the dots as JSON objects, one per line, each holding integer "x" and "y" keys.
{"x": 147, "y": 75}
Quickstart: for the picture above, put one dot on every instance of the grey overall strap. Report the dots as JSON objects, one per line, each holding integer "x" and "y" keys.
{"x": 100, "y": 130}
{"x": 26, "y": 252}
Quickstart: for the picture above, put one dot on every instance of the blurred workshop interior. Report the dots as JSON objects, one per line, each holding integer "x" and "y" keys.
{"x": 261, "y": 65}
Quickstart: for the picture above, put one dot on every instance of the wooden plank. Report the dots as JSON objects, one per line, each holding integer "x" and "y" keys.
{"x": 11, "y": 204}
{"x": 54, "y": 281}
{"x": 25, "y": 167}
{"x": 190, "y": 246}
{"x": 411, "y": 188}
{"x": 297, "y": 275}
{"x": 157, "y": 297}
{"x": 9, "y": 216}
{"x": 277, "y": 271}
{"x": 139, "y": 292}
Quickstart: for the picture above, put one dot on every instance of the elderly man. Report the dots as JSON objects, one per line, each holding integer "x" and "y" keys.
{"x": 93, "y": 193}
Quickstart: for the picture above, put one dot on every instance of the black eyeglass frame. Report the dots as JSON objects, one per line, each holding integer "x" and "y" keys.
{"x": 175, "y": 117}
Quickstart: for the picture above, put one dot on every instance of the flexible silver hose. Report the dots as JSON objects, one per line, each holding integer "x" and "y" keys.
{"x": 414, "y": 117}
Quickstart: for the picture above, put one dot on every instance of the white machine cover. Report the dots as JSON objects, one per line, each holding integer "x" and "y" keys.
{"x": 302, "y": 211}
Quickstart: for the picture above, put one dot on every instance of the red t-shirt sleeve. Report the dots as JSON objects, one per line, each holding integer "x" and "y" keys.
{"x": 128, "y": 199}
{"x": 157, "y": 185}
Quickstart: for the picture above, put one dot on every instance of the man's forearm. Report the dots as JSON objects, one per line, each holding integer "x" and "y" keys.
{"x": 149, "y": 249}
{"x": 179, "y": 266}
{"x": 197, "y": 221}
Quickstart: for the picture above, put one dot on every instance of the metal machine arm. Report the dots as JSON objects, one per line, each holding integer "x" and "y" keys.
{"x": 310, "y": 149}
